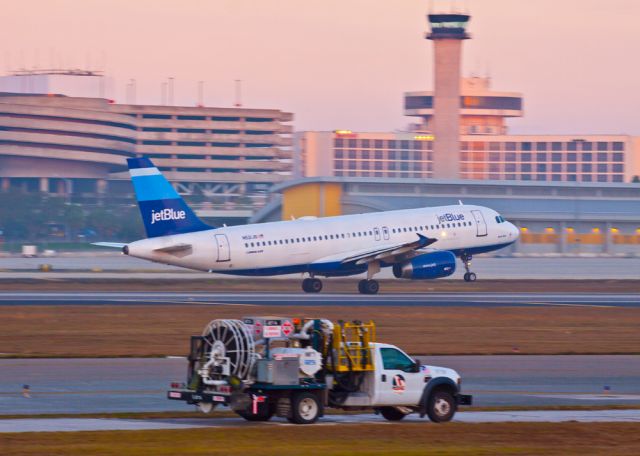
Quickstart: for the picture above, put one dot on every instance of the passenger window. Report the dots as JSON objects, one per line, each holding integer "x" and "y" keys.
{"x": 394, "y": 359}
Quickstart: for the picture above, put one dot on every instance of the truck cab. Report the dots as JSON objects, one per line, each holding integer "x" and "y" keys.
{"x": 400, "y": 385}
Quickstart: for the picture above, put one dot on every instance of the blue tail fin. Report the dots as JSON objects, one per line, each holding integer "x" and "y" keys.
{"x": 163, "y": 211}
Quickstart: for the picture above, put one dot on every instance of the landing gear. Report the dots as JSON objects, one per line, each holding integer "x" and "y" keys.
{"x": 468, "y": 276}
{"x": 311, "y": 285}
{"x": 368, "y": 286}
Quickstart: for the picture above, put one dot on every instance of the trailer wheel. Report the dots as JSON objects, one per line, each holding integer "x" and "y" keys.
{"x": 306, "y": 408}
{"x": 392, "y": 413}
{"x": 441, "y": 406}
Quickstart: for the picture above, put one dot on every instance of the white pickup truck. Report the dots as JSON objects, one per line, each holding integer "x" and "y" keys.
{"x": 265, "y": 366}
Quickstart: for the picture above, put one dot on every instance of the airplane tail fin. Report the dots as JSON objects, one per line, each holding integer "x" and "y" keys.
{"x": 163, "y": 211}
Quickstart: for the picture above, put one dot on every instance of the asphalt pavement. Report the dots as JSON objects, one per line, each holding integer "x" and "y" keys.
{"x": 428, "y": 299}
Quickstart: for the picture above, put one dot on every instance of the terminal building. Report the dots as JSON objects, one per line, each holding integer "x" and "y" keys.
{"x": 223, "y": 159}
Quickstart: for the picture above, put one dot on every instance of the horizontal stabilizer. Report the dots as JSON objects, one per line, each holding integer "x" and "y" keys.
{"x": 174, "y": 248}
{"x": 113, "y": 245}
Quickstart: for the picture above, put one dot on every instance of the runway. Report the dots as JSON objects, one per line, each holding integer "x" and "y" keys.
{"x": 326, "y": 299}
{"x": 105, "y": 424}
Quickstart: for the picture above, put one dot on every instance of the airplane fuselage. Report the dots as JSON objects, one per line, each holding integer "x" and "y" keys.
{"x": 318, "y": 245}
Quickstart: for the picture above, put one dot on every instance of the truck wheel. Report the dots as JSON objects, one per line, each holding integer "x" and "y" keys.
{"x": 441, "y": 406}
{"x": 264, "y": 416}
{"x": 392, "y": 413}
{"x": 305, "y": 409}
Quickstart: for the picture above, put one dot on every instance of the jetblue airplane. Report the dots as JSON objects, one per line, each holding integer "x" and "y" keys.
{"x": 418, "y": 244}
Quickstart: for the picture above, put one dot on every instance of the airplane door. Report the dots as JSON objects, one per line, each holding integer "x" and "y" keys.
{"x": 223, "y": 248}
{"x": 481, "y": 225}
{"x": 376, "y": 232}
{"x": 385, "y": 233}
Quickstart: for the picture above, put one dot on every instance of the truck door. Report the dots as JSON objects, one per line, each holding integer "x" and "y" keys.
{"x": 481, "y": 225}
{"x": 397, "y": 382}
{"x": 223, "y": 248}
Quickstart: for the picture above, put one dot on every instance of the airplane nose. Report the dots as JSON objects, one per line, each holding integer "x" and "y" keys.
{"x": 514, "y": 232}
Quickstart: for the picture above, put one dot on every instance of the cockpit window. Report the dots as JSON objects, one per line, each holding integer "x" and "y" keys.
{"x": 500, "y": 219}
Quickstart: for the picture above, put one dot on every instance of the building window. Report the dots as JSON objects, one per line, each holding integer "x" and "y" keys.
{"x": 602, "y": 168}
{"x": 618, "y": 146}
{"x": 541, "y": 146}
{"x": 556, "y": 177}
{"x": 556, "y": 146}
{"x": 602, "y": 178}
{"x": 541, "y": 168}
{"x": 556, "y": 157}
{"x": 586, "y": 167}
{"x": 404, "y": 144}
{"x": 509, "y": 157}
{"x": 525, "y": 157}
{"x": 338, "y": 142}
{"x": 602, "y": 145}
{"x": 352, "y": 143}
{"x": 392, "y": 144}
{"x": 586, "y": 178}
{"x": 587, "y": 146}
{"x": 541, "y": 157}
{"x": 571, "y": 168}
{"x": 572, "y": 145}
{"x": 617, "y": 178}
{"x": 365, "y": 143}
{"x": 526, "y": 146}
{"x": 602, "y": 156}
{"x": 378, "y": 143}
{"x": 617, "y": 168}
{"x": 587, "y": 157}
{"x": 572, "y": 156}
{"x": 618, "y": 157}
{"x": 339, "y": 153}
{"x": 526, "y": 167}
{"x": 378, "y": 155}
{"x": 556, "y": 168}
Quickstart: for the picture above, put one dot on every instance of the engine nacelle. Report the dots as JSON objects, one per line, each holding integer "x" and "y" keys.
{"x": 428, "y": 266}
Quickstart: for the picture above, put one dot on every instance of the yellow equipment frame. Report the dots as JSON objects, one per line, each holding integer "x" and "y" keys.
{"x": 352, "y": 347}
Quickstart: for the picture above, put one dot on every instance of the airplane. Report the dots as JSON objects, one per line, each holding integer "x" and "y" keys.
{"x": 418, "y": 244}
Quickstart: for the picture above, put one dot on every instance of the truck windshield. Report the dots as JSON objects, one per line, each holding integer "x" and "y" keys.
{"x": 394, "y": 359}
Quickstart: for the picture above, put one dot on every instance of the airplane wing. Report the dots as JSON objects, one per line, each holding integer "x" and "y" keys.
{"x": 113, "y": 245}
{"x": 389, "y": 253}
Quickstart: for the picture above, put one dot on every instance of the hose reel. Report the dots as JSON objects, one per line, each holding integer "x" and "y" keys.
{"x": 229, "y": 351}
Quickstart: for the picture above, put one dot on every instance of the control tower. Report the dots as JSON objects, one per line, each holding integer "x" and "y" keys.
{"x": 447, "y": 33}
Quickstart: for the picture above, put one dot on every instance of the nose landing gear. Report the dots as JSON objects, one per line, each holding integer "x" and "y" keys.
{"x": 466, "y": 260}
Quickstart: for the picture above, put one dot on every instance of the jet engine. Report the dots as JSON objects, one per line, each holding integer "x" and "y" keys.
{"x": 432, "y": 265}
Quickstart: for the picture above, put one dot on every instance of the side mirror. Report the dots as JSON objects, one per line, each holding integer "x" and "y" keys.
{"x": 416, "y": 365}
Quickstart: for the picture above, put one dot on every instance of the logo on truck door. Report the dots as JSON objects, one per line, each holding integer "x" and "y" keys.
{"x": 399, "y": 384}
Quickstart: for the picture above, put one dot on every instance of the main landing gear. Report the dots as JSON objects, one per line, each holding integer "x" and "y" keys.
{"x": 468, "y": 276}
{"x": 311, "y": 285}
{"x": 368, "y": 286}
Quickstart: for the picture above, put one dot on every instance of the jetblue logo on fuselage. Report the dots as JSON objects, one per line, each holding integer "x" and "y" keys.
{"x": 167, "y": 214}
{"x": 450, "y": 218}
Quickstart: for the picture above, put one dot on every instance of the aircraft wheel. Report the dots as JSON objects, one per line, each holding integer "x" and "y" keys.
{"x": 368, "y": 286}
{"x": 305, "y": 285}
{"x": 470, "y": 277}
{"x": 315, "y": 285}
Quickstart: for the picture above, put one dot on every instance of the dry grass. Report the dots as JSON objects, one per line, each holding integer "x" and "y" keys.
{"x": 382, "y": 439}
{"x": 164, "y": 330}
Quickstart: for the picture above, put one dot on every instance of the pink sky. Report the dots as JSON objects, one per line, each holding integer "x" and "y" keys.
{"x": 344, "y": 63}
